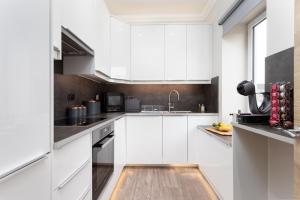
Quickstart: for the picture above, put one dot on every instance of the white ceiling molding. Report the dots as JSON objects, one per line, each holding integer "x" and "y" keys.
{"x": 132, "y": 12}
{"x": 161, "y": 19}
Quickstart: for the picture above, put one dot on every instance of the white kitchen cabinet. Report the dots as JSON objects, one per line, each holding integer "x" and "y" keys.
{"x": 119, "y": 49}
{"x": 102, "y": 38}
{"x": 120, "y": 143}
{"x": 147, "y": 43}
{"x": 199, "y": 52}
{"x": 32, "y": 182}
{"x": 79, "y": 16}
{"x": 175, "y": 52}
{"x": 144, "y": 140}
{"x": 214, "y": 158}
{"x": 56, "y": 29}
{"x": 72, "y": 169}
{"x": 217, "y": 165}
{"x": 25, "y": 83}
{"x": 175, "y": 140}
{"x": 194, "y": 137}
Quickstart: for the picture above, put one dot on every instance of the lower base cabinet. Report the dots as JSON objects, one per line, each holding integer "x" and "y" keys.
{"x": 175, "y": 140}
{"x": 32, "y": 182}
{"x": 144, "y": 140}
{"x": 72, "y": 170}
{"x": 217, "y": 166}
{"x": 214, "y": 158}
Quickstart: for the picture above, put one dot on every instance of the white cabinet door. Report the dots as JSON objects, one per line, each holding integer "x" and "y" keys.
{"x": 56, "y": 28}
{"x": 217, "y": 165}
{"x": 214, "y": 158}
{"x": 120, "y": 142}
{"x": 25, "y": 87}
{"x": 147, "y": 52}
{"x": 32, "y": 182}
{"x": 196, "y": 146}
{"x": 119, "y": 49}
{"x": 199, "y": 52}
{"x": 175, "y": 140}
{"x": 144, "y": 140}
{"x": 102, "y": 38}
{"x": 72, "y": 169}
{"x": 175, "y": 52}
{"x": 78, "y": 16}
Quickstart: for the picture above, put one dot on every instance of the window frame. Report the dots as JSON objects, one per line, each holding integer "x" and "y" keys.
{"x": 251, "y": 27}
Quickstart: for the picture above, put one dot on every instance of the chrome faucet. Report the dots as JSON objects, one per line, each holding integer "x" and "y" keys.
{"x": 171, "y": 105}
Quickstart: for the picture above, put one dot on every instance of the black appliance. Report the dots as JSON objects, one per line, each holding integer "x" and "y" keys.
{"x": 113, "y": 102}
{"x": 258, "y": 115}
{"x": 132, "y": 105}
{"x": 103, "y": 158}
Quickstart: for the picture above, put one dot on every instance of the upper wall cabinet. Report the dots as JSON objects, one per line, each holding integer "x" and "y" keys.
{"x": 199, "y": 52}
{"x": 102, "y": 38}
{"x": 78, "y": 16}
{"x": 147, "y": 52}
{"x": 119, "y": 49}
{"x": 175, "y": 52}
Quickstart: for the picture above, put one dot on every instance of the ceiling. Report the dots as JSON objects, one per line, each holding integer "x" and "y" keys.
{"x": 161, "y": 9}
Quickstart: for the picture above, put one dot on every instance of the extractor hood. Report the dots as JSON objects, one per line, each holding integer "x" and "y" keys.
{"x": 74, "y": 46}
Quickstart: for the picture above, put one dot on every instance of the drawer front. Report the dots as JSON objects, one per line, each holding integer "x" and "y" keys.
{"x": 77, "y": 188}
{"x": 70, "y": 158}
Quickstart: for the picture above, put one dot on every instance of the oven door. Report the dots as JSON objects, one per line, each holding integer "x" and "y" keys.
{"x": 103, "y": 163}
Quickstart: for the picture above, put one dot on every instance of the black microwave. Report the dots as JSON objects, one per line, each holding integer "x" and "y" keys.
{"x": 114, "y": 102}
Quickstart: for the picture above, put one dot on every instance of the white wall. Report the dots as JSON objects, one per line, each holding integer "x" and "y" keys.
{"x": 225, "y": 63}
{"x": 234, "y": 70}
{"x": 280, "y": 15}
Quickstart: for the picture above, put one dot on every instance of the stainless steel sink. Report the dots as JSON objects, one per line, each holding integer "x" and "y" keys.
{"x": 180, "y": 111}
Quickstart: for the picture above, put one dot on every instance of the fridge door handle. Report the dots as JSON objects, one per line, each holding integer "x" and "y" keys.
{"x": 22, "y": 167}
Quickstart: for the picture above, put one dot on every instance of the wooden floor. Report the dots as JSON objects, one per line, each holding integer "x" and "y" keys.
{"x": 162, "y": 183}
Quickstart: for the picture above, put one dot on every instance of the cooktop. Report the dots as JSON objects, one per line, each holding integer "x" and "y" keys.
{"x": 78, "y": 122}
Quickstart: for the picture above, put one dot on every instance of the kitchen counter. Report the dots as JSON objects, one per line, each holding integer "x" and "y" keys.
{"x": 227, "y": 140}
{"x": 267, "y": 131}
{"x": 65, "y": 134}
{"x": 166, "y": 113}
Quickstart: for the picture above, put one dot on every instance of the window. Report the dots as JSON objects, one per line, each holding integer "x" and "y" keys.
{"x": 258, "y": 51}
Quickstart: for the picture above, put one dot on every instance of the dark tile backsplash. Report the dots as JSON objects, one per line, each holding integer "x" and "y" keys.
{"x": 280, "y": 67}
{"x": 152, "y": 94}
{"x": 82, "y": 88}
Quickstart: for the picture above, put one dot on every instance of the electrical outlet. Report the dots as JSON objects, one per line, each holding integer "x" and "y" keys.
{"x": 71, "y": 97}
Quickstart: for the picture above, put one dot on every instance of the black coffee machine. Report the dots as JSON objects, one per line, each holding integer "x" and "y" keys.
{"x": 258, "y": 115}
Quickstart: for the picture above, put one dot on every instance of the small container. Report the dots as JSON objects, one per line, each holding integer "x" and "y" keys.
{"x": 199, "y": 108}
{"x": 73, "y": 112}
{"x": 203, "y": 108}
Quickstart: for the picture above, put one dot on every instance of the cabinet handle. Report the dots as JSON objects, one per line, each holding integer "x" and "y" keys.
{"x": 87, "y": 190}
{"x": 22, "y": 167}
{"x": 65, "y": 182}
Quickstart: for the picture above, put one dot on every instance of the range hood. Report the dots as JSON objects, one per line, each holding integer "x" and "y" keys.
{"x": 74, "y": 46}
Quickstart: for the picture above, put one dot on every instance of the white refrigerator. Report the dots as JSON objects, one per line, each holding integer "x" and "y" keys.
{"x": 25, "y": 99}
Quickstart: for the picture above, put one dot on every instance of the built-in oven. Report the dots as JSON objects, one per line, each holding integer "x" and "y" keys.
{"x": 103, "y": 158}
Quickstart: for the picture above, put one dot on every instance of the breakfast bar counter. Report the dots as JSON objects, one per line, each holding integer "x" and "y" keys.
{"x": 263, "y": 162}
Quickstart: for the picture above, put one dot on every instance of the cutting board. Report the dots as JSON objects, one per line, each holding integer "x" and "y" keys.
{"x": 213, "y": 130}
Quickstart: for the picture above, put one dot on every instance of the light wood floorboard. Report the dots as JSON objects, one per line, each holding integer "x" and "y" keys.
{"x": 162, "y": 183}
